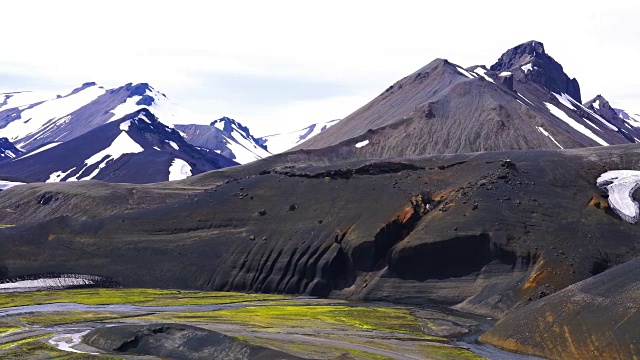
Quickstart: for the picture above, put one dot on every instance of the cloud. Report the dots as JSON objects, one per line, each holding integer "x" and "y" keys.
{"x": 266, "y": 59}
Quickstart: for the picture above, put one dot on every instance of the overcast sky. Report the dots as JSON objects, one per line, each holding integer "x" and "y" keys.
{"x": 285, "y": 64}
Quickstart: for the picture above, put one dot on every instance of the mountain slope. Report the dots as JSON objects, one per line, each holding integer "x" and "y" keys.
{"x": 31, "y": 120}
{"x": 521, "y": 102}
{"x": 277, "y": 143}
{"x": 226, "y": 137}
{"x": 136, "y": 149}
{"x": 8, "y": 151}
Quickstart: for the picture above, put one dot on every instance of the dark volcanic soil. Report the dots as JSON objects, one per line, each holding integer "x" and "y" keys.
{"x": 486, "y": 232}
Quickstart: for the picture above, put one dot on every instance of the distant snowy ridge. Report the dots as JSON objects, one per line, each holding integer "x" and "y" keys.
{"x": 226, "y": 137}
{"x": 277, "y": 143}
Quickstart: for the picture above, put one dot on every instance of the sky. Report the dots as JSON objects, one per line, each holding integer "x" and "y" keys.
{"x": 277, "y": 65}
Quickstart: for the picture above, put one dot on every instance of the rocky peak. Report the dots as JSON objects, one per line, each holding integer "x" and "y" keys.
{"x": 602, "y": 107}
{"x": 228, "y": 126}
{"x": 537, "y": 66}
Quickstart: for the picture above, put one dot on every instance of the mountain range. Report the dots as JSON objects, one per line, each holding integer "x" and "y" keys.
{"x": 82, "y": 123}
{"x": 489, "y": 189}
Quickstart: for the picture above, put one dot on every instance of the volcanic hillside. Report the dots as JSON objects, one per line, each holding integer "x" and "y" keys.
{"x": 523, "y": 101}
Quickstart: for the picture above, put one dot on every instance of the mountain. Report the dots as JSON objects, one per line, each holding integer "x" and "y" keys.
{"x": 523, "y": 101}
{"x": 617, "y": 117}
{"x": 8, "y": 151}
{"x": 226, "y": 137}
{"x": 135, "y": 149}
{"x": 31, "y": 120}
{"x": 489, "y": 233}
{"x": 277, "y": 143}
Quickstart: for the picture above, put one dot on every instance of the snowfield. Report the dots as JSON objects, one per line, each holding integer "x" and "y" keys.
{"x": 179, "y": 170}
{"x": 620, "y": 185}
{"x": 48, "y": 283}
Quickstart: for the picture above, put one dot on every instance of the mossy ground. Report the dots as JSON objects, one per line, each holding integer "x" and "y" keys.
{"x": 358, "y": 328}
{"x": 144, "y": 297}
{"x": 67, "y": 317}
{"x": 382, "y": 319}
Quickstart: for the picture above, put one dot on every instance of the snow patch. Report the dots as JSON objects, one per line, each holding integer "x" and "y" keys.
{"x": 527, "y": 100}
{"x": 48, "y": 283}
{"x": 465, "y": 72}
{"x": 620, "y": 185}
{"x": 125, "y": 125}
{"x": 527, "y": 68}
{"x": 59, "y": 175}
{"x": 157, "y": 148}
{"x": 555, "y": 111}
{"x": 362, "y": 143}
{"x": 564, "y": 99}
{"x": 596, "y": 104}
{"x": 4, "y": 185}
{"x": 505, "y": 73}
{"x": 173, "y": 144}
{"x": 122, "y": 145}
{"x": 179, "y": 170}
{"x": 545, "y": 133}
{"x": 482, "y": 72}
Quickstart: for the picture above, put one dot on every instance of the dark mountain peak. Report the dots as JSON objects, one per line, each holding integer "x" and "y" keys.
{"x": 79, "y": 88}
{"x": 521, "y": 55}
{"x": 602, "y": 107}
{"x": 599, "y": 103}
{"x": 534, "y": 64}
{"x": 141, "y": 89}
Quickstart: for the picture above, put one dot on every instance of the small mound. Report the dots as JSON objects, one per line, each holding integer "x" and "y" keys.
{"x": 177, "y": 341}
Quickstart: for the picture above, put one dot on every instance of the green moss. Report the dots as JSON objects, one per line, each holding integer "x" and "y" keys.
{"x": 8, "y": 329}
{"x": 448, "y": 352}
{"x": 148, "y": 297}
{"x": 26, "y": 340}
{"x": 383, "y": 319}
{"x": 366, "y": 354}
{"x": 66, "y": 317}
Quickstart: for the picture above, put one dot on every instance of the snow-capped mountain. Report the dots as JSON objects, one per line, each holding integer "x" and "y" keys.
{"x": 226, "y": 137}
{"x": 523, "y": 101}
{"x": 8, "y": 151}
{"x": 135, "y": 149}
{"x": 277, "y": 143}
{"x": 31, "y": 119}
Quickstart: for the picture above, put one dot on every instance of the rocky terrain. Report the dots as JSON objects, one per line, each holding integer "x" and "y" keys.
{"x": 481, "y": 189}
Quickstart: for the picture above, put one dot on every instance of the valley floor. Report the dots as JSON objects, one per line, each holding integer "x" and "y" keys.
{"x": 50, "y": 324}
